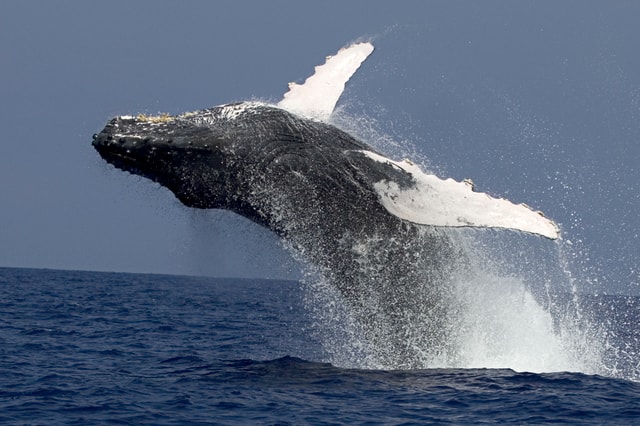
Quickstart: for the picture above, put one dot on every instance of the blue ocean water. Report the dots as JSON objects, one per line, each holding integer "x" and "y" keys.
{"x": 107, "y": 348}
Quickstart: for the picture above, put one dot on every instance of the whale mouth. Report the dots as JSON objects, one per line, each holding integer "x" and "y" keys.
{"x": 116, "y": 152}
{"x": 122, "y": 160}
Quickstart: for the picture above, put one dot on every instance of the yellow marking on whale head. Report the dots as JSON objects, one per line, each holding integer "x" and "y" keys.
{"x": 162, "y": 118}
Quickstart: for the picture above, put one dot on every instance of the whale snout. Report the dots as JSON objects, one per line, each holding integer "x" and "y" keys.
{"x": 115, "y": 130}
{"x": 124, "y": 144}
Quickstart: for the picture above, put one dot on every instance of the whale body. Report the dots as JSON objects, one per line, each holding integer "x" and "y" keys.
{"x": 372, "y": 227}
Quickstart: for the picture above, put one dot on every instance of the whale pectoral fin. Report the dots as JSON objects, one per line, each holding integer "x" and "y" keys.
{"x": 448, "y": 203}
{"x": 317, "y": 97}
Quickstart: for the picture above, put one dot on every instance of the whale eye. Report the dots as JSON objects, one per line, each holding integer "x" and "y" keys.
{"x": 95, "y": 135}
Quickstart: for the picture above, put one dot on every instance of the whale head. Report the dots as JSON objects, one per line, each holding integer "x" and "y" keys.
{"x": 206, "y": 157}
{"x": 171, "y": 151}
{"x": 195, "y": 154}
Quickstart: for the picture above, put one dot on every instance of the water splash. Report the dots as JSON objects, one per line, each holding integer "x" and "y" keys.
{"x": 502, "y": 325}
{"x": 511, "y": 303}
{"x": 493, "y": 318}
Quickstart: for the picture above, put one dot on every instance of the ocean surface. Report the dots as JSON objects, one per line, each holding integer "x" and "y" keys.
{"x": 110, "y": 348}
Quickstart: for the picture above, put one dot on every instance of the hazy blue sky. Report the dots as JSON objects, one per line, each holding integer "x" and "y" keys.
{"x": 538, "y": 101}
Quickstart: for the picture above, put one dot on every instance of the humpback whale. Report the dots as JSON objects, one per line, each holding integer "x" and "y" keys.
{"x": 373, "y": 227}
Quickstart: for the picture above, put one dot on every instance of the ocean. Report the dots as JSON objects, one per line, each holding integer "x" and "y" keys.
{"x": 113, "y": 348}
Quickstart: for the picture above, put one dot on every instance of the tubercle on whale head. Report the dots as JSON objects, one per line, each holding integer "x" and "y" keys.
{"x": 147, "y": 132}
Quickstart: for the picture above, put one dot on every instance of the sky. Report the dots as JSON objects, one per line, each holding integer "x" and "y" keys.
{"x": 536, "y": 101}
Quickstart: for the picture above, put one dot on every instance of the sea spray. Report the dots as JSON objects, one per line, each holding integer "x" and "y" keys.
{"x": 504, "y": 301}
{"x": 494, "y": 317}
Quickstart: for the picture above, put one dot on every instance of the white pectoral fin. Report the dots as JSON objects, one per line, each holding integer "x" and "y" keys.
{"x": 317, "y": 97}
{"x": 438, "y": 202}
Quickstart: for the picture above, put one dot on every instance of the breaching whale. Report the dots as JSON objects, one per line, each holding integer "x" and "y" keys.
{"x": 371, "y": 226}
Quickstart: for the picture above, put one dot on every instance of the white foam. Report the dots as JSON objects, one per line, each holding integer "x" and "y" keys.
{"x": 233, "y": 111}
{"x": 317, "y": 97}
{"x": 502, "y": 326}
{"x": 438, "y": 202}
